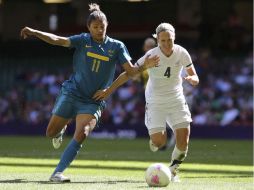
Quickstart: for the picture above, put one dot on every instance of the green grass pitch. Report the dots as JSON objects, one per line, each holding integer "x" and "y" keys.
{"x": 27, "y": 162}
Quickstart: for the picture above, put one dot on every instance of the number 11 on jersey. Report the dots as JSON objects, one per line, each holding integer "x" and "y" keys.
{"x": 96, "y": 65}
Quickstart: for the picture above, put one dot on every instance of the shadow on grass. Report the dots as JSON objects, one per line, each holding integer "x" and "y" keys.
{"x": 99, "y": 167}
{"x": 231, "y": 176}
{"x": 205, "y": 151}
{"x": 109, "y": 182}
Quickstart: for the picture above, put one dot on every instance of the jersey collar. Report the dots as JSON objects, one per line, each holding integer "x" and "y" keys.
{"x": 104, "y": 42}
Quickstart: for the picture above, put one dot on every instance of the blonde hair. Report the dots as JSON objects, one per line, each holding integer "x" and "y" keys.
{"x": 164, "y": 27}
{"x": 94, "y": 7}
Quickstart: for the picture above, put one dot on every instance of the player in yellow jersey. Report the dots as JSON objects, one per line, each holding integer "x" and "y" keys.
{"x": 94, "y": 61}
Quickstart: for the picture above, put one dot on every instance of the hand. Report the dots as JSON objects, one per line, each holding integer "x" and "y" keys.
{"x": 191, "y": 79}
{"x": 101, "y": 94}
{"x": 25, "y": 32}
{"x": 151, "y": 61}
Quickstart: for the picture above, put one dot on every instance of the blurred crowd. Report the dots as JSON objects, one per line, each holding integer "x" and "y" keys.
{"x": 224, "y": 96}
{"x": 224, "y": 63}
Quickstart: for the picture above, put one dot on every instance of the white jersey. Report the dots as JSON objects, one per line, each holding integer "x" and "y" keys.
{"x": 165, "y": 82}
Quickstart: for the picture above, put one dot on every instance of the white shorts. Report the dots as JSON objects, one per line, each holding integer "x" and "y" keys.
{"x": 156, "y": 116}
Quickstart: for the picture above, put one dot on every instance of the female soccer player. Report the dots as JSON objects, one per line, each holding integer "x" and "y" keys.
{"x": 165, "y": 101}
{"x": 94, "y": 62}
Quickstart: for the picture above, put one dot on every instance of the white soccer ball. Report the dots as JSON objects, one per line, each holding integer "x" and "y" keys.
{"x": 158, "y": 175}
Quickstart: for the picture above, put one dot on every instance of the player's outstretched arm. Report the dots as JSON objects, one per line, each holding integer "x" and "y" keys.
{"x": 104, "y": 94}
{"x": 46, "y": 37}
{"x": 149, "y": 62}
{"x": 130, "y": 71}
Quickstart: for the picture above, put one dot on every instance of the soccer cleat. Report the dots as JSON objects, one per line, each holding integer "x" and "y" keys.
{"x": 153, "y": 148}
{"x": 59, "y": 177}
{"x": 174, "y": 177}
{"x": 57, "y": 141}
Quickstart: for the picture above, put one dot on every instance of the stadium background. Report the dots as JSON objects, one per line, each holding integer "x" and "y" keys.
{"x": 218, "y": 35}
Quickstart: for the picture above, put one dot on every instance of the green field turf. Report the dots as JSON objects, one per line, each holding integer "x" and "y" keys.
{"x": 27, "y": 162}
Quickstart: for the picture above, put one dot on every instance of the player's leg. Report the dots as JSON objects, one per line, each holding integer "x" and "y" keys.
{"x": 62, "y": 113}
{"x": 157, "y": 139}
{"x": 155, "y": 120}
{"x": 56, "y": 128}
{"x": 82, "y": 121}
{"x": 56, "y": 124}
{"x": 179, "y": 120}
{"x": 171, "y": 139}
{"x": 182, "y": 133}
{"x": 85, "y": 123}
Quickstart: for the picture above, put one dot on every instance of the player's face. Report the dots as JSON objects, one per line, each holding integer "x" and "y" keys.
{"x": 166, "y": 42}
{"x": 97, "y": 30}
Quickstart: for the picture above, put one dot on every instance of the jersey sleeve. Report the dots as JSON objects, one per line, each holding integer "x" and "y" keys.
{"x": 123, "y": 54}
{"x": 76, "y": 40}
{"x": 142, "y": 59}
{"x": 186, "y": 59}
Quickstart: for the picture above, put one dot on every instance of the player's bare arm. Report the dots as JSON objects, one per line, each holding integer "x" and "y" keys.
{"x": 150, "y": 61}
{"x": 104, "y": 94}
{"x": 46, "y": 37}
{"x": 192, "y": 77}
{"x": 130, "y": 71}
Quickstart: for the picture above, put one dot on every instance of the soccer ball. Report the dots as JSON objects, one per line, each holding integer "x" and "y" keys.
{"x": 158, "y": 175}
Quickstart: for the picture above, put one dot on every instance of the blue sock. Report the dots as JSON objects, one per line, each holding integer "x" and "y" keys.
{"x": 68, "y": 156}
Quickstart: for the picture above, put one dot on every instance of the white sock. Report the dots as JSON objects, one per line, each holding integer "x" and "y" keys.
{"x": 177, "y": 157}
{"x": 178, "y": 154}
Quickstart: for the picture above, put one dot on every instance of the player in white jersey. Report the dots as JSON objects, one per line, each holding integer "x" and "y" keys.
{"x": 165, "y": 101}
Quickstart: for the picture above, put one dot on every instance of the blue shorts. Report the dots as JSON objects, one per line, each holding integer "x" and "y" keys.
{"x": 67, "y": 106}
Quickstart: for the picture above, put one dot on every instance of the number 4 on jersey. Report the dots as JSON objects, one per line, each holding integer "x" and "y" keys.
{"x": 167, "y": 72}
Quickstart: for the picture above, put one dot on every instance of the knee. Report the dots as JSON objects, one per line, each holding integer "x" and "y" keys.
{"x": 50, "y": 133}
{"x": 81, "y": 133}
{"x": 79, "y": 137}
{"x": 159, "y": 142}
